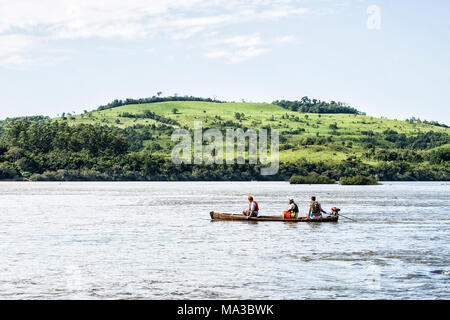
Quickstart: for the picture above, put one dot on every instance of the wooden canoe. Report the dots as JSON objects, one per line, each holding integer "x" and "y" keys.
{"x": 240, "y": 217}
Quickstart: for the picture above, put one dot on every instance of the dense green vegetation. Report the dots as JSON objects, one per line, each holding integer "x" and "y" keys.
{"x": 316, "y": 106}
{"x": 147, "y": 114}
{"x": 124, "y": 141}
{"x": 315, "y": 179}
{"x": 357, "y": 180}
{"x": 154, "y": 99}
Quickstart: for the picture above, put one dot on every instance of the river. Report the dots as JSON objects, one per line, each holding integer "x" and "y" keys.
{"x": 155, "y": 240}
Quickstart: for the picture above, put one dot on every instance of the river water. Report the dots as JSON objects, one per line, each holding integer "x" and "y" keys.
{"x": 155, "y": 240}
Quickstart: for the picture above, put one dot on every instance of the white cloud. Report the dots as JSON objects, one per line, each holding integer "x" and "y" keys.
{"x": 27, "y": 22}
{"x": 76, "y": 15}
{"x": 236, "y": 56}
{"x": 286, "y": 39}
{"x": 247, "y": 53}
{"x": 242, "y": 47}
{"x": 14, "y": 43}
{"x": 12, "y": 50}
{"x": 186, "y": 34}
{"x": 235, "y": 49}
{"x": 131, "y": 18}
{"x": 217, "y": 53}
{"x": 282, "y": 12}
{"x": 237, "y": 41}
{"x": 16, "y": 61}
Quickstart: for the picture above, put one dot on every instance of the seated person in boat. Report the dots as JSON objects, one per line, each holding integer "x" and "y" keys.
{"x": 253, "y": 208}
{"x": 315, "y": 209}
{"x": 292, "y": 211}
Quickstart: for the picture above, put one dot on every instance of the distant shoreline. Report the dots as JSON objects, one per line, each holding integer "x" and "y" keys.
{"x": 80, "y": 180}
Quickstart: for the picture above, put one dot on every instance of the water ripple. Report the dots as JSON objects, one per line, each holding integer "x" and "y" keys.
{"x": 155, "y": 241}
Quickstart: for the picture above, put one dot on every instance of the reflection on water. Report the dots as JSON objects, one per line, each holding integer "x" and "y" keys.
{"x": 155, "y": 241}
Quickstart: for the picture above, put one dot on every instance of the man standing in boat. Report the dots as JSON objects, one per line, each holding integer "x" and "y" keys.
{"x": 315, "y": 209}
{"x": 253, "y": 208}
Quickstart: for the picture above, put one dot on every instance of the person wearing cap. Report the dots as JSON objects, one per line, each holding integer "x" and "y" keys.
{"x": 253, "y": 208}
{"x": 292, "y": 211}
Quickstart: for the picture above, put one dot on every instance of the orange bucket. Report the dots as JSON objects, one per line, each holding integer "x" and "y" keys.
{"x": 287, "y": 214}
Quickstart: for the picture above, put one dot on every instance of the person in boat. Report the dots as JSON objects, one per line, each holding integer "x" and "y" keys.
{"x": 253, "y": 208}
{"x": 315, "y": 209}
{"x": 292, "y": 211}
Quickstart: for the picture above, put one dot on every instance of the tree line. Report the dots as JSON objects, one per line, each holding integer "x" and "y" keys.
{"x": 153, "y": 99}
{"x": 54, "y": 150}
{"x": 308, "y": 105}
{"x": 147, "y": 114}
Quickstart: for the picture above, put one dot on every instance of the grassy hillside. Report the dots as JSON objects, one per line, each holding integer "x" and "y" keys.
{"x": 330, "y": 138}
{"x": 125, "y": 141}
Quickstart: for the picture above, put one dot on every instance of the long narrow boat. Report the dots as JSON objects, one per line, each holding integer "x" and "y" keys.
{"x": 240, "y": 217}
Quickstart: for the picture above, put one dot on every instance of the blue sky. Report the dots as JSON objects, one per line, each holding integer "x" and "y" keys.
{"x": 387, "y": 58}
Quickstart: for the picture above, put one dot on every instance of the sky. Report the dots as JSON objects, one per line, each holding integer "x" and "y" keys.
{"x": 387, "y": 58}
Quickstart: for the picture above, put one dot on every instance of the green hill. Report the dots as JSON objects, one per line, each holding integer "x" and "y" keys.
{"x": 310, "y": 136}
{"x": 331, "y": 144}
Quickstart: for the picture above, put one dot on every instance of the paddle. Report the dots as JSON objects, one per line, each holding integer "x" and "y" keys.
{"x": 346, "y": 217}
